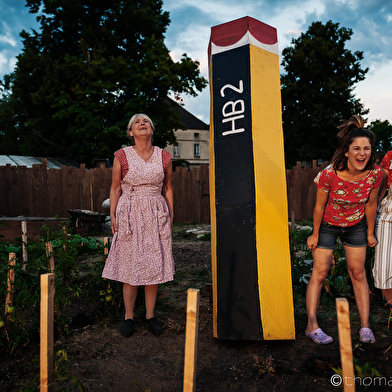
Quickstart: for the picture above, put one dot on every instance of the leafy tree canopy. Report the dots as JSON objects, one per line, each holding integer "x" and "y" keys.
{"x": 318, "y": 90}
{"x": 383, "y": 132}
{"x": 92, "y": 65}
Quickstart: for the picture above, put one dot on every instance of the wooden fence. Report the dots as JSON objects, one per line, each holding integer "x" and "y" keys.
{"x": 301, "y": 190}
{"x": 39, "y": 192}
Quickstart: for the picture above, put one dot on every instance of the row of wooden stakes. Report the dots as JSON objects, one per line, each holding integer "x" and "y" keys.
{"x": 192, "y": 322}
{"x": 47, "y": 322}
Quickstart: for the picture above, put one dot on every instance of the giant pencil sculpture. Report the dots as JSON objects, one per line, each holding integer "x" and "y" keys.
{"x": 252, "y": 289}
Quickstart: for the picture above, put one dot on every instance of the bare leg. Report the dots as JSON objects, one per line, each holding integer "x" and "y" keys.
{"x": 388, "y": 296}
{"x": 322, "y": 259}
{"x": 356, "y": 269}
{"x": 150, "y": 292}
{"x": 129, "y": 294}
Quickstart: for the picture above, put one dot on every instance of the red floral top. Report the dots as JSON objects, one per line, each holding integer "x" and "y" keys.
{"x": 346, "y": 199}
{"x": 386, "y": 163}
{"x": 120, "y": 155}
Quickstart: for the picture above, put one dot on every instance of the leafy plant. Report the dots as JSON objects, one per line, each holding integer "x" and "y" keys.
{"x": 338, "y": 281}
{"x": 300, "y": 255}
{"x": 265, "y": 365}
{"x": 366, "y": 370}
{"x": 61, "y": 374}
{"x": 20, "y": 327}
{"x": 204, "y": 237}
{"x": 338, "y": 286}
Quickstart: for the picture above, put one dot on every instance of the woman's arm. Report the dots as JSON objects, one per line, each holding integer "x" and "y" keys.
{"x": 383, "y": 186}
{"x": 370, "y": 213}
{"x": 318, "y": 213}
{"x": 115, "y": 193}
{"x": 167, "y": 191}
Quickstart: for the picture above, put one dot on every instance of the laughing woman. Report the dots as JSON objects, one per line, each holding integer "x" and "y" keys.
{"x": 346, "y": 207}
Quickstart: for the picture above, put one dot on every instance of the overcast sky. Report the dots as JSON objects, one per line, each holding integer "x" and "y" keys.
{"x": 190, "y": 28}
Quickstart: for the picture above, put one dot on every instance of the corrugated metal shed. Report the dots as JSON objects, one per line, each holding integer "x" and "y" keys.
{"x": 53, "y": 163}
{"x": 6, "y": 160}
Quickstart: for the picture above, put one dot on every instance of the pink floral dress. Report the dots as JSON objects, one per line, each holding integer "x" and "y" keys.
{"x": 141, "y": 250}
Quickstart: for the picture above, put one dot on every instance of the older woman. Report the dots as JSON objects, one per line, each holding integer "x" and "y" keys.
{"x": 141, "y": 212}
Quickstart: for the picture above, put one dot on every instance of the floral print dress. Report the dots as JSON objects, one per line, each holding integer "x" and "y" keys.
{"x": 141, "y": 250}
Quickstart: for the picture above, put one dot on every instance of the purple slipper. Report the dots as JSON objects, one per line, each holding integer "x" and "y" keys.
{"x": 318, "y": 336}
{"x": 366, "y": 335}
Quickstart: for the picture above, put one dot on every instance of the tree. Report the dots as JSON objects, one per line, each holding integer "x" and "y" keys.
{"x": 383, "y": 132}
{"x": 317, "y": 90}
{"x": 89, "y": 69}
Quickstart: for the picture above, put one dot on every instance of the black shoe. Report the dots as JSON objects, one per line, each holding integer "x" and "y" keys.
{"x": 153, "y": 326}
{"x": 126, "y": 327}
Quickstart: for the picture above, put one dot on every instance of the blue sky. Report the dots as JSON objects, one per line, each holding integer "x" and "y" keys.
{"x": 191, "y": 22}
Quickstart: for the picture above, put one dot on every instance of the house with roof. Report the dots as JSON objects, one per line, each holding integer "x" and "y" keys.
{"x": 192, "y": 149}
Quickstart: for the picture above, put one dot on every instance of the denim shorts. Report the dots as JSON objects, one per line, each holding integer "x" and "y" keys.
{"x": 354, "y": 236}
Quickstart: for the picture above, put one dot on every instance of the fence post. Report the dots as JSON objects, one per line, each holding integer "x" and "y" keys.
{"x": 46, "y": 333}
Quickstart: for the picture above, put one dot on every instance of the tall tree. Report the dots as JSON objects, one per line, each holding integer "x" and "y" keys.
{"x": 383, "y": 132}
{"x": 318, "y": 90}
{"x": 89, "y": 69}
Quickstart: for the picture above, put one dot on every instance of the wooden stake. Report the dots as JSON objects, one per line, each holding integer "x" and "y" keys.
{"x": 10, "y": 280}
{"x": 191, "y": 336}
{"x": 106, "y": 251}
{"x": 106, "y": 246}
{"x": 49, "y": 254}
{"x": 292, "y": 220}
{"x": 46, "y": 333}
{"x": 346, "y": 350}
{"x": 66, "y": 266}
{"x": 65, "y": 238}
{"x": 24, "y": 244}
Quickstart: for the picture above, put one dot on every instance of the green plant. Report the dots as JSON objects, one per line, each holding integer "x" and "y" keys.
{"x": 204, "y": 237}
{"x": 299, "y": 237}
{"x": 338, "y": 283}
{"x": 300, "y": 255}
{"x": 338, "y": 286}
{"x": 106, "y": 296}
{"x": 21, "y": 325}
{"x": 265, "y": 365}
{"x": 366, "y": 370}
{"x": 61, "y": 375}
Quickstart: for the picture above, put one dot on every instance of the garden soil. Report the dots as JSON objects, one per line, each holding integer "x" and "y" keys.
{"x": 103, "y": 360}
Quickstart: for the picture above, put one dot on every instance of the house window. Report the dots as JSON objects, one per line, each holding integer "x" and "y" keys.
{"x": 176, "y": 152}
{"x": 196, "y": 135}
{"x": 196, "y": 150}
